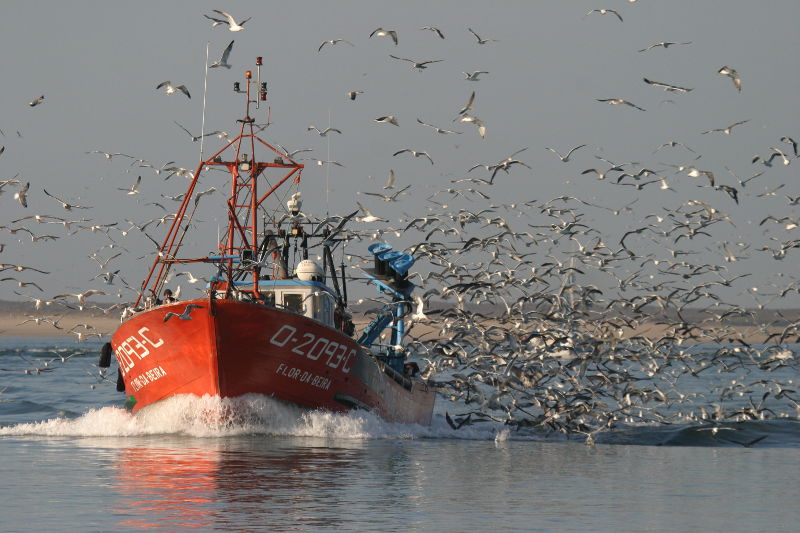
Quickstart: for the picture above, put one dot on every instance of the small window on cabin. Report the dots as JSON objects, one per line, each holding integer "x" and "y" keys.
{"x": 293, "y": 302}
{"x": 269, "y": 298}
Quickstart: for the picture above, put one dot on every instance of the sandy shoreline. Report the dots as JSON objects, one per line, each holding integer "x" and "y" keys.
{"x": 22, "y": 325}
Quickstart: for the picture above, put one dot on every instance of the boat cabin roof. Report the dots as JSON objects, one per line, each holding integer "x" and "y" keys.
{"x": 298, "y": 296}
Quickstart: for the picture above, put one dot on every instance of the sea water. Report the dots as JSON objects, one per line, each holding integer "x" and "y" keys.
{"x": 74, "y": 460}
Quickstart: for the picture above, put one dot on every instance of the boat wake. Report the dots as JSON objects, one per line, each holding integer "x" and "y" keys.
{"x": 258, "y": 415}
{"x": 252, "y": 414}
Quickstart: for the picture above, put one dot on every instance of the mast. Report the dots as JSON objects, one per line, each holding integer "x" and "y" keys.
{"x": 238, "y": 249}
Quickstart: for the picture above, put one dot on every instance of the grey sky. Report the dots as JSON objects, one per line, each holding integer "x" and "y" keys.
{"x": 98, "y": 64}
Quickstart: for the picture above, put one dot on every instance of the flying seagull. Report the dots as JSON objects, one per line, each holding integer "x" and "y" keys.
{"x": 368, "y": 216}
{"x": 223, "y": 61}
{"x": 352, "y": 94}
{"x": 474, "y": 76}
{"x": 733, "y": 75}
{"x": 332, "y": 42}
{"x": 324, "y": 132}
{"x": 468, "y": 106}
{"x": 414, "y": 153}
{"x": 66, "y": 205}
{"x": 437, "y": 129}
{"x": 229, "y": 20}
{"x": 389, "y": 180}
{"x": 109, "y": 155}
{"x": 185, "y": 314}
{"x": 564, "y": 158}
{"x": 22, "y": 194}
{"x": 195, "y": 138}
{"x": 419, "y": 65}
{"x": 388, "y": 119}
{"x": 605, "y": 12}
{"x": 435, "y": 30}
{"x": 478, "y": 37}
{"x": 388, "y": 197}
{"x": 726, "y": 131}
{"x": 617, "y": 101}
{"x": 380, "y": 32}
{"x": 134, "y": 189}
{"x": 37, "y": 101}
{"x": 475, "y": 120}
{"x": 171, "y": 89}
{"x": 667, "y": 86}
{"x": 665, "y": 44}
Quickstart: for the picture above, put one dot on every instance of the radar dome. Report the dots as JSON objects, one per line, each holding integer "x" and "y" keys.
{"x": 308, "y": 270}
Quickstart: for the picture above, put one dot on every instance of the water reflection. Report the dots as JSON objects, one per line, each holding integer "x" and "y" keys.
{"x": 234, "y": 483}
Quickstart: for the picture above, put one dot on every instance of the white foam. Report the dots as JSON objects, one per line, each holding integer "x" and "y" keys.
{"x": 249, "y": 415}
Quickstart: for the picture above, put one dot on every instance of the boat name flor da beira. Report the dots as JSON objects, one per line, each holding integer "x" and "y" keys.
{"x": 270, "y": 320}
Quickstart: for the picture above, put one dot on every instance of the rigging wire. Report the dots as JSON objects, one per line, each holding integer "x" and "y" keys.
{"x": 205, "y": 90}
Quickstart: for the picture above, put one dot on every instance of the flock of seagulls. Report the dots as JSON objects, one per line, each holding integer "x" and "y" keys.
{"x": 528, "y": 313}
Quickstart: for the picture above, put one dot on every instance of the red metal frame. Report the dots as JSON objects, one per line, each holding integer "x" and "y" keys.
{"x": 238, "y": 224}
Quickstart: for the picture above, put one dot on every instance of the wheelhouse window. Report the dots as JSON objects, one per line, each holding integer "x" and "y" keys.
{"x": 293, "y": 302}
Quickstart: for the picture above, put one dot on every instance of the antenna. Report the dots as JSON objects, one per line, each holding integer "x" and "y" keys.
{"x": 205, "y": 89}
{"x": 328, "y": 169}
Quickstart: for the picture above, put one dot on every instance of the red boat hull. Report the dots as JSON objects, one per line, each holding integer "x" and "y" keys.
{"x": 229, "y": 348}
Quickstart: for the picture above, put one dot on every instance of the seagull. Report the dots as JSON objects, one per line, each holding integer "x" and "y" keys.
{"x": 134, "y": 188}
{"x": 665, "y": 44}
{"x": 419, "y": 65}
{"x": 324, "y": 132}
{"x": 22, "y": 194}
{"x": 108, "y": 155}
{"x": 388, "y": 119}
{"x": 667, "y": 87}
{"x": 368, "y": 216}
{"x": 437, "y": 129}
{"x": 388, "y": 198}
{"x": 474, "y": 76}
{"x": 293, "y": 152}
{"x": 673, "y": 144}
{"x": 414, "y": 153}
{"x": 733, "y": 75}
{"x": 468, "y": 106}
{"x": 229, "y": 20}
{"x": 66, "y": 205}
{"x": 696, "y": 173}
{"x": 185, "y": 314}
{"x": 776, "y": 152}
{"x": 435, "y": 30}
{"x": 478, "y": 37}
{"x": 605, "y": 12}
{"x": 564, "y": 158}
{"x": 617, "y": 101}
{"x": 352, "y": 94}
{"x": 475, "y": 120}
{"x": 194, "y": 138}
{"x": 390, "y": 180}
{"x": 171, "y": 89}
{"x": 419, "y": 314}
{"x": 726, "y": 131}
{"x": 332, "y": 42}
{"x": 321, "y": 162}
{"x": 190, "y": 277}
{"x": 789, "y": 140}
{"x": 223, "y": 61}
{"x": 203, "y": 193}
{"x": 743, "y": 182}
{"x": 36, "y": 101}
{"x": 380, "y": 32}
{"x": 81, "y": 297}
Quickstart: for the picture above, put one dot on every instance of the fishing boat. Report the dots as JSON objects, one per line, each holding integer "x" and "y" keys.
{"x": 271, "y": 321}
